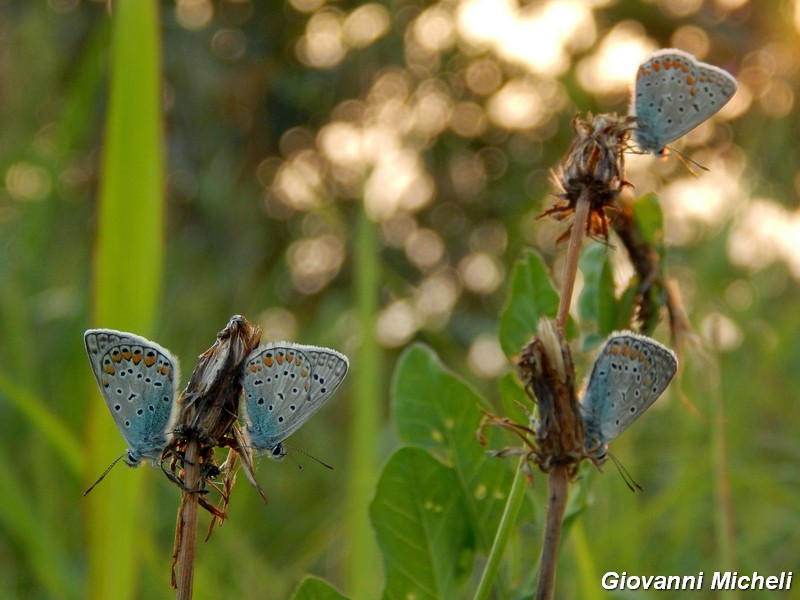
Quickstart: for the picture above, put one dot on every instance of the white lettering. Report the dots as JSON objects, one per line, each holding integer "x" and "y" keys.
{"x": 721, "y": 581}
{"x": 610, "y": 580}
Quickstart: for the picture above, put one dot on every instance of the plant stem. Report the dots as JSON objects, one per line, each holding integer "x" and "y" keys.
{"x": 556, "y": 505}
{"x": 507, "y": 521}
{"x": 186, "y": 529}
{"x": 365, "y": 417}
{"x": 573, "y": 253}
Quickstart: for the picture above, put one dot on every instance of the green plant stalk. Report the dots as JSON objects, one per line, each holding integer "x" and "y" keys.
{"x": 366, "y": 402}
{"x": 507, "y": 521}
{"x": 129, "y": 259}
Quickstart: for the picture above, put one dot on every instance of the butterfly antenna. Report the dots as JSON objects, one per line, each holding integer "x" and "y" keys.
{"x": 626, "y": 476}
{"x": 99, "y": 479}
{"x": 687, "y": 162}
{"x": 293, "y": 449}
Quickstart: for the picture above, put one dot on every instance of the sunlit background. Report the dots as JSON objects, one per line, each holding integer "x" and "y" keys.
{"x": 445, "y": 120}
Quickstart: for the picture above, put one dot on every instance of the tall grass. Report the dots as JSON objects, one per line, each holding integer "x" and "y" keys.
{"x": 128, "y": 269}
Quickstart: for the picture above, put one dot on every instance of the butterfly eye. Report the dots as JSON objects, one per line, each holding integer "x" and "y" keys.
{"x": 130, "y": 459}
{"x": 278, "y": 452}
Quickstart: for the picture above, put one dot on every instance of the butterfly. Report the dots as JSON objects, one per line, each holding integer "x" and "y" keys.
{"x": 675, "y": 93}
{"x": 630, "y": 374}
{"x": 138, "y": 380}
{"x": 284, "y": 384}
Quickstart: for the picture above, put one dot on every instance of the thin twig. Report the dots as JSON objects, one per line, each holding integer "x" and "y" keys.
{"x": 186, "y": 530}
{"x": 573, "y": 253}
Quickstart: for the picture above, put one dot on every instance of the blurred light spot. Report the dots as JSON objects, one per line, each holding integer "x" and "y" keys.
{"x": 194, "y": 14}
{"x": 534, "y": 36}
{"x": 486, "y": 358}
{"x": 480, "y": 272}
{"x": 797, "y": 15}
{"x": 342, "y": 144}
{"x": 721, "y": 332}
{"x": 398, "y": 182}
{"x": 517, "y": 105}
{"x": 398, "y": 229}
{"x": 766, "y": 232}
{"x": 228, "y": 44}
{"x": 298, "y": 182}
{"x": 468, "y": 120}
{"x": 435, "y": 298}
{"x": 432, "y": 108}
{"x": 294, "y": 140}
{"x": 484, "y": 76}
{"x": 315, "y": 262}
{"x": 365, "y": 25}
{"x": 424, "y": 248}
{"x": 25, "y": 181}
{"x": 612, "y": 68}
{"x": 692, "y": 39}
{"x": 63, "y": 6}
{"x": 397, "y": 323}
{"x": 708, "y": 200}
{"x": 777, "y": 99}
{"x": 322, "y": 45}
{"x": 467, "y": 175}
{"x": 57, "y": 303}
{"x": 434, "y": 29}
{"x": 739, "y": 294}
{"x": 277, "y": 323}
{"x": 307, "y": 6}
{"x": 489, "y": 236}
{"x": 731, "y": 4}
{"x": 681, "y": 8}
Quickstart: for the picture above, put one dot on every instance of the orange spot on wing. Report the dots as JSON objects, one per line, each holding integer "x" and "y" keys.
{"x": 268, "y": 361}
{"x": 109, "y": 369}
{"x": 253, "y": 368}
{"x": 137, "y": 357}
{"x": 149, "y": 360}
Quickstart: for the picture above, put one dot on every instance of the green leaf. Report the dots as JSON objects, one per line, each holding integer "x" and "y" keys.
{"x": 597, "y": 303}
{"x": 436, "y": 410}
{"x": 531, "y": 296}
{"x": 418, "y": 516}
{"x": 313, "y": 588}
{"x": 650, "y": 220}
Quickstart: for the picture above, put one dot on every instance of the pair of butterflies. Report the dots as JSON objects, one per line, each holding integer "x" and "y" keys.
{"x": 284, "y": 384}
{"x": 674, "y": 93}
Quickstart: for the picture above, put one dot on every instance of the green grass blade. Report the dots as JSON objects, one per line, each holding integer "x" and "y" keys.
{"x": 127, "y": 277}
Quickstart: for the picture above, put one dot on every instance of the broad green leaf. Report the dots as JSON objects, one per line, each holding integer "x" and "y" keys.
{"x": 312, "y": 588}
{"x": 418, "y": 517}
{"x": 531, "y": 296}
{"x": 437, "y": 411}
{"x": 597, "y": 303}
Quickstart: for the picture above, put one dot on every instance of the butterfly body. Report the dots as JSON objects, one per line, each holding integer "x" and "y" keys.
{"x": 138, "y": 380}
{"x": 284, "y": 384}
{"x": 630, "y": 374}
{"x": 675, "y": 93}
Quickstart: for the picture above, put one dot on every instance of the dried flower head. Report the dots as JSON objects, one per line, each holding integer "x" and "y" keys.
{"x": 594, "y": 167}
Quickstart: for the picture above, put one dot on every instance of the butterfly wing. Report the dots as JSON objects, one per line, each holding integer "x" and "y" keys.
{"x": 138, "y": 380}
{"x": 630, "y": 374}
{"x": 284, "y": 384}
{"x": 675, "y": 93}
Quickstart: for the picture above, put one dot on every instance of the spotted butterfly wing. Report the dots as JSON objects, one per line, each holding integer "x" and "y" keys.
{"x": 138, "y": 380}
{"x": 630, "y": 374}
{"x": 284, "y": 384}
{"x": 675, "y": 93}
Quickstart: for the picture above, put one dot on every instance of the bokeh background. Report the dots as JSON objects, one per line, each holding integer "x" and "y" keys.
{"x": 431, "y": 128}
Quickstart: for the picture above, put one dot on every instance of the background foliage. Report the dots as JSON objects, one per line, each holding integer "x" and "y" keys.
{"x": 285, "y": 125}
